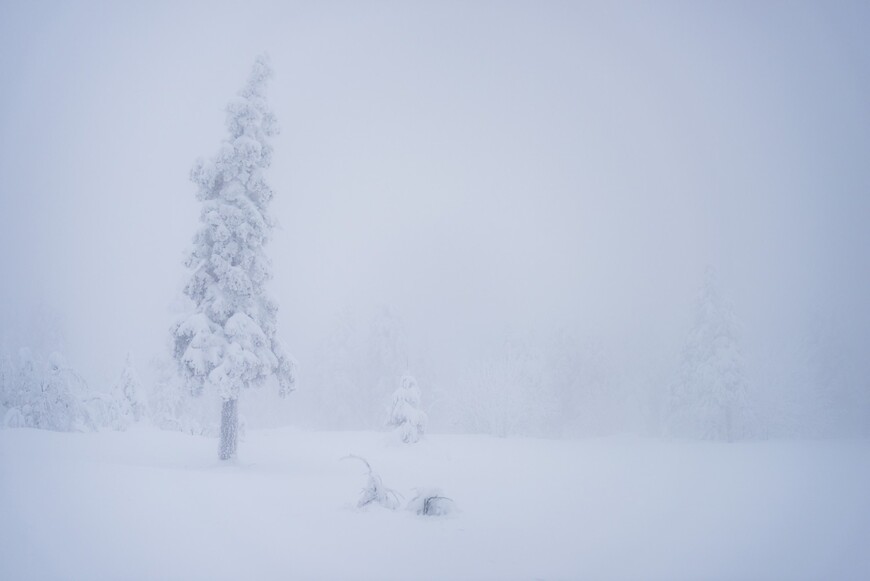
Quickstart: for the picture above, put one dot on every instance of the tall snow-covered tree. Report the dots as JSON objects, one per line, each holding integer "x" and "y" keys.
{"x": 408, "y": 420}
{"x": 709, "y": 399}
{"x": 229, "y": 341}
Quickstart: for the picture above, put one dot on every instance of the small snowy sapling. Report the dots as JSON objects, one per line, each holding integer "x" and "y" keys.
{"x": 374, "y": 492}
{"x": 405, "y": 413}
{"x": 130, "y": 388}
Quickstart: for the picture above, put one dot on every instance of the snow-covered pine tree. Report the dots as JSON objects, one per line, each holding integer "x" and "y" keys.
{"x": 406, "y": 416}
{"x": 709, "y": 399}
{"x": 229, "y": 341}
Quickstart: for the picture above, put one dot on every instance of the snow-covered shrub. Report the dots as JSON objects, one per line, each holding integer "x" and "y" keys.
{"x": 374, "y": 492}
{"x": 431, "y": 502}
{"x": 406, "y": 416}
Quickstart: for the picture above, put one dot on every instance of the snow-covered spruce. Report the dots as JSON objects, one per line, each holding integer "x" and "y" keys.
{"x": 405, "y": 414}
{"x": 229, "y": 341}
{"x": 374, "y": 492}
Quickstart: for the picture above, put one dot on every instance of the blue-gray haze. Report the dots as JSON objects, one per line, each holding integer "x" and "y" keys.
{"x": 485, "y": 169}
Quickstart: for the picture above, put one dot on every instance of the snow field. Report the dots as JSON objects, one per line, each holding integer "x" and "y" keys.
{"x": 147, "y": 504}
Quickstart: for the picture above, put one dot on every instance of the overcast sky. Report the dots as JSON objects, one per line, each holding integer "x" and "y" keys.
{"x": 483, "y": 167}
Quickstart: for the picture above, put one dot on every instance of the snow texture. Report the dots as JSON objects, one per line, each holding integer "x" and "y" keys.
{"x": 149, "y": 504}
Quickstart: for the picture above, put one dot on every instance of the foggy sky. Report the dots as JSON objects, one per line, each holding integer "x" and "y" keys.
{"x": 482, "y": 167}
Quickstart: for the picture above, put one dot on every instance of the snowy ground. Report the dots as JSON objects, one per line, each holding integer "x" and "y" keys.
{"x": 146, "y": 504}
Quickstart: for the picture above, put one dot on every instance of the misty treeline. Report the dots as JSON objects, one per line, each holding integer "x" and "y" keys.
{"x": 565, "y": 383}
{"x": 39, "y": 388}
{"x": 572, "y": 383}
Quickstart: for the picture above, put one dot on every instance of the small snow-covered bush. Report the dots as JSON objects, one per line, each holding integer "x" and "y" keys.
{"x": 431, "y": 502}
{"x": 374, "y": 492}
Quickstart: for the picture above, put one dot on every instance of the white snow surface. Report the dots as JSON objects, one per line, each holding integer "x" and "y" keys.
{"x": 147, "y": 504}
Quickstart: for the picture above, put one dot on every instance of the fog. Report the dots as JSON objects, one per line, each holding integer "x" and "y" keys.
{"x": 486, "y": 172}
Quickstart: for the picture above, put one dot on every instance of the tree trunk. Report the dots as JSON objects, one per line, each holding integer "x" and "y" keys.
{"x": 229, "y": 429}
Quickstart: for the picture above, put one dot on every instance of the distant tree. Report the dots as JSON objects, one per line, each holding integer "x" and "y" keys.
{"x": 388, "y": 357}
{"x": 834, "y": 385}
{"x": 229, "y": 341}
{"x": 165, "y": 397}
{"x": 508, "y": 394}
{"x": 65, "y": 403}
{"x": 58, "y": 407}
{"x": 130, "y": 389}
{"x": 47, "y": 393}
{"x": 581, "y": 373}
{"x": 709, "y": 399}
{"x": 26, "y": 388}
{"x": 10, "y": 412}
{"x": 339, "y": 399}
{"x": 5, "y": 382}
{"x": 406, "y": 416}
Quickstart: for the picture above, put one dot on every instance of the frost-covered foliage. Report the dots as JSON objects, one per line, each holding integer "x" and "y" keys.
{"x": 709, "y": 400}
{"x": 229, "y": 342}
{"x": 408, "y": 420}
{"x": 49, "y": 394}
{"x": 431, "y": 502}
{"x": 374, "y": 492}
